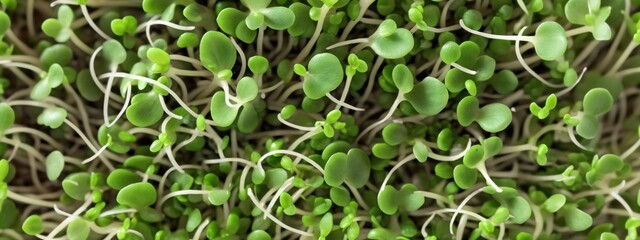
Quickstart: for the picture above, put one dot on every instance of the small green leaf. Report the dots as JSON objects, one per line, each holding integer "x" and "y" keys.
{"x": 387, "y": 200}
{"x": 450, "y": 52}
{"x": 221, "y": 113}
{"x": 33, "y": 225}
{"x": 52, "y": 117}
{"x": 420, "y": 151}
{"x": 429, "y": 97}
{"x": 358, "y": 167}
{"x": 588, "y": 127}
{"x": 494, "y": 117}
{"x": 519, "y": 208}
{"x": 576, "y": 219}
{"x": 335, "y": 171}
{"x": 555, "y": 202}
{"x": 78, "y": 229}
{"x": 550, "y": 32}
{"x": 217, "y": 52}
{"x": 278, "y": 18}
{"x": 120, "y": 178}
{"x": 145, "y": 109}
{"x": 464, "y": 176}
{"x": 8, "y": 116}
{"x": 114, "y": 52}
{"x": 247, "y": 89}
{"x": 54, "y": 164}
{"x": 394, "y": 46}
{"x": 76, "y": 185}
{"x": 597, "y": 101}
{"x": 467, "y": 110}
{"x": 259, "y": 235}
{"x": 137, "y": 195}
{"x": 324, "y": 75}
{"x": 402, "y": 78}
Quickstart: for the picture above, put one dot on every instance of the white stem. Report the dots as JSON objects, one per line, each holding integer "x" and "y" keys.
{"x": 124, "y": 106}
{"x": 276, "y": 196}
{"x": 392, "y": 109}
{"x": 292, "y": 153}
{"x": 395, "y": 167}
{"x": 87, "y": 16}
{"x": 527, "y": 68}
{"x": 166, "y": 110}
{"x": 226, "y": 160}
{"x": 452, "y": 157}
{"x": 494, "y": 36}
{"x": 166, "y": 23}
{"x": 483, "y": 170}
{"x": 631, "y": 150}
{"x": 292, "y": 125}
{"x": 107, "y": 93}
{"x": 274, "y": 219}
{"x": 155, "y": 83}
{"x": 464, "y": 69}
{"x": 343, "y": 104}
{"x": 459, "y": 208}
{"x": 348, "y": 42}
{"x": 96, "y": 154}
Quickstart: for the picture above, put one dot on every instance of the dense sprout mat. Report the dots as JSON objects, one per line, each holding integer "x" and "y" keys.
{"x": 319, "y": 119}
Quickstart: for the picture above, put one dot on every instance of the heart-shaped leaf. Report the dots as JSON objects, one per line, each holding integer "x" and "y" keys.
{"x": 588, "y": 127}
{"x": 218, "y": 196}
{"x": 76, "y": 185}
{"x": 247, "y": 89}
{"x": 145, "y": 109}
{"x": 394, "y": 46}
{"x": 519, "y": 209}
{"x": 278, "y": 18}
{"x": 467, "y": 110}
{"x": 429, "y": 97}
{"x": 464, "y": 177}
{"x": 550, "y": 32}
{"x": 494, "y": 117}
{"x": 217, "y": 52}
{"x": 221, "y": 113}
{"x": 324, "y": 75}
{"x": 597, "y": 101}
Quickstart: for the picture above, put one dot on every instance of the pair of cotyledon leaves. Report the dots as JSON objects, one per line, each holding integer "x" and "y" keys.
{"x": 595, "y": 103}
{"x": 590, "y": 13}
{"x": 325, "y": 74}
{"x": 493, "y": 117}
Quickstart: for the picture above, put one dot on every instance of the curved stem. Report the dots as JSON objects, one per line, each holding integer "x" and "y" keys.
{"x": 395, "y": 167}
{"x": 392, "y": 109}
{"x": 324, "y": 10}
{"x": 342, "y": 104}
{"x": 494, "y": 36}
{"x": 87, "y": 16}
{"x": 527, "y": 68}
{"x": 459, "y": 209}
{"x": 464, "y": 69}
{"x": 155, "y": 83}
{"x": 452, "y": 157}
{"x": 348, "y": 42}
{"x": 274, "y": 219}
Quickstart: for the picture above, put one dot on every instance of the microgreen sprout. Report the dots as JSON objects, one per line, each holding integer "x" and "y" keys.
{"x": 319, "y": 119}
